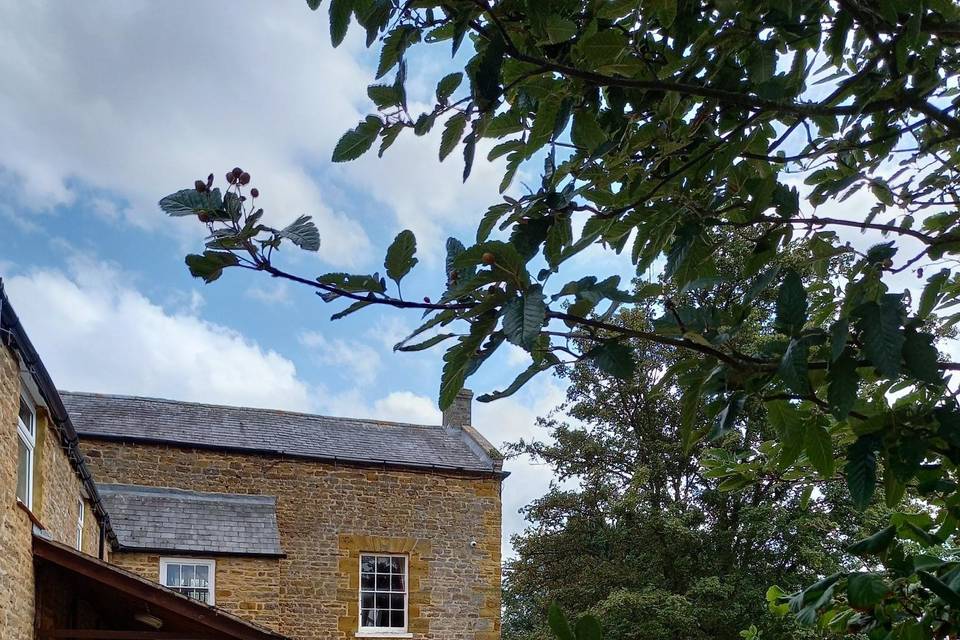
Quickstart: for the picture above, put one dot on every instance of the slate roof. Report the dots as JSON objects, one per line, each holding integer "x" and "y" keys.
{"x": 159, "y": 519}
{"x": 275, "y": 432}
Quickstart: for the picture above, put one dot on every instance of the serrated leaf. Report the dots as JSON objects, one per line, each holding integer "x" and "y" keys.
{"x": 613, "y": 358}
{"x": 394, "y": 45}
{"x": 689, "y": 408}
{"x": 861, "y": 472}
{"x": 384, "y": 95}
{"x": 210, "y": 265}
{"x": 875, "y": 544}
{"x": 357, "y": 141}
{"x": 453, "y": 130}
{"x": 356, "y": 306}
{"x": 523, "y": 317}
{"x": 791, "y": 305}
{"x": 920, "y": 356}
{"x": 400, "y": 255}
{"x": 459, "y": 359}
{"x": 941, "y": 589}
{"x": 864, "y": 590}
{"x": 426, "y": 344}
{"x": 603, "y": 47}
{"x": 931, "y": 293}
{"x": 303, "y": 233}
{"x": 839, "y": 333}
{"x": 189, "y": 202}
{"x": 789, "y": 424}
{"x": 559, "y": 29}
{"x": 313, "y": 4}
{"x": 586, "y": 131}
{"x": 447, "y": 85}
{"x": 525, "y": 376}
{"x": 819, "y": 448}
{"x": 727, "y": 418}
{"x": 793, "y": 366}
{"x": 543, "y": 125}
{"x": 843, "y": 382}
{"x": 882, "y": 338}
{"x": 340, "y": 11}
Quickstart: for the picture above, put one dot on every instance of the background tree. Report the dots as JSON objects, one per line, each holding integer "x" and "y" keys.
{"x": 661, "y": 124}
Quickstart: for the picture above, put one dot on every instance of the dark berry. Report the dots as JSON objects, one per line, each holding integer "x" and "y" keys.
{"x": 209, "y": 181}
{"x": 200, "y": 186}
{"x": 230, "y": 178}
{"x": 255, "y": 192}
{"x": 488, "y": 258}
{"x": 426, "y": 299}
{"x": 244, "y": 178}
{"x": 237, "y": 171}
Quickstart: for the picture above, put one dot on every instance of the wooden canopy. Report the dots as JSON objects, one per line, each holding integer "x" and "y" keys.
{"x": 81, "y": 597}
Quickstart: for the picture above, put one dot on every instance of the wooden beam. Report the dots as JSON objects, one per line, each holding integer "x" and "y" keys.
{"x": 107, "y": 634}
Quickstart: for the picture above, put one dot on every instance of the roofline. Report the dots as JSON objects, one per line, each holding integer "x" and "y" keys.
{"x": 200, "y": 496}
{"x": 15, "y": 336}
{"x": 356, "y": 462}
{"x": 373, "y": 421}
{"x": 199, "y": 553}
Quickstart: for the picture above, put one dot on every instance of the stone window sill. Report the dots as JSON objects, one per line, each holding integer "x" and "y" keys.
{"x": 381, "y": 634}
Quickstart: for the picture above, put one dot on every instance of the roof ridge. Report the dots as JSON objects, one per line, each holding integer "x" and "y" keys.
{"x": 115, "y": 487}
{"x": 373, "y": 421}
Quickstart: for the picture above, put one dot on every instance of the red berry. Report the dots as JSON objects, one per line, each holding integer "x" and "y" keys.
{"x": 488, "y": 258}
{"x": 426, "y": 299}
{"x": 255, "y": 192}
{"x": 244, "y": 178}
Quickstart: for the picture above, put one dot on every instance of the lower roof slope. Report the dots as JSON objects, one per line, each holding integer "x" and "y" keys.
{"x": 160, "y": 519}
{"x": 275, "y": 432}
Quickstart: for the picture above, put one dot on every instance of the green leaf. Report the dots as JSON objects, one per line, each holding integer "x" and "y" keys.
{"x": 819, "y": 448}
{"x": 313, "y": 4}
{"x": 861, "y": 471}
{"x": 484, "y": 72}
{"x": 459, "y": 360}
{"x": 558, "y": 623}
{"x": 603, "y": 47}
{"x": 523, "y": 317}
{"x": 303, "y": 233}
{"x": 588, "y": 628}
{"x": 789, "y": 424}
{"x": 938, "y": 587}
{"x": 543, "y": 125}
{"x": 843, "y": 382}
{"x": 791, "y": 305}
{"x": 426, "y": 344}
{"x": 525, "y": 376}
{"x": 384, "y": 95}
{"x": 400, "y": 255}
{"x": 447, "y": 85}
{"x": 357, "y": 141}
{"x": 839, "y": 332}
{"x": 340, "y": 11}
{"x": 793, "y": 366}
{"x": 931, "y": 293}
{"x": 864, "y": 590}
{"x": 394, "y": 45}
{"x": 875, "y": 544}
{"x": 882, "y": 338}
{"x": 689, "y": 407}
{"x": 613, "y": 358}
{"x": 453, "y": 130}
{"x": 727, "y": 418}
{"x": 190, "y": 202}
{"x": 559, "y": 29}
{"x": 356, "y": 306}
{"x": 920, "y": 356}
{"x": 586, "y": 132}
{"x": 210, "y": 265}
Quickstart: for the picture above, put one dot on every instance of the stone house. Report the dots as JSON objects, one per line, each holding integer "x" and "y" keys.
{"x": 267, "y": 523}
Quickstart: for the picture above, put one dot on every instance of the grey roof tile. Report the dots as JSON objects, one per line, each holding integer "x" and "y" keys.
{"x": 160, "y": 519}
{"x": 273, "y": 431}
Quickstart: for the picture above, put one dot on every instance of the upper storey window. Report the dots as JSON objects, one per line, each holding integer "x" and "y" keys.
{"x": 26, "y": 441}
{"x": 190, "y": 577}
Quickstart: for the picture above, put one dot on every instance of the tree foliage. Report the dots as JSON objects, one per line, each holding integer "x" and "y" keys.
{"x": 662, "y": 126}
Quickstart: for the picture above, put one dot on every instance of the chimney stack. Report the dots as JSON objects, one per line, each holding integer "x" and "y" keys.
{"x": 458, "y": 414}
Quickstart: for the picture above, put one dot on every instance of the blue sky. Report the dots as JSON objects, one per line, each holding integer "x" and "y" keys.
{"x": 110, "y": 106}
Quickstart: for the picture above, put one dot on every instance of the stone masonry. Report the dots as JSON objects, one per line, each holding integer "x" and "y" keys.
{"x": 448, "y": 523}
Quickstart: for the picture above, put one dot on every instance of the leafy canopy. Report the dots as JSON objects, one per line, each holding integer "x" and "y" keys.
{"x": 662, "y": 126}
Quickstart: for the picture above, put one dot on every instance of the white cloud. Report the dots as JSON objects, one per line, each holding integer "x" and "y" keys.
{"x": 273, "y": 292}
{"x": 349, "y": 358}
{"x": 135, "y": 100}
{"x": 405, "y": 406}
{"x": 96, "y": 332}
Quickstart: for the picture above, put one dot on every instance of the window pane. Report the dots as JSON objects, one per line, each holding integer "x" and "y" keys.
{"x": 187, "y": 575}
{"x": 383, "y": 564}
{"x": 396, "y": 582}
{"x": 383, "y": 618}
{"x": 367, "y": 581}
{"x": 396, "y": 564}
{"x": 396, "y": 619}
{"x": 23, "y": 470}
{"x": 383, "y": 582}
{"x": 367, "y": 564}
{"x": 366, "y": 601}
{"x": 396, "y": 601}
{"x": 203, "y": 579}
{"x": 26, "y": 415}
{"x": 383, "y": 601}
{"x": 366, "y": 618}
{"x": 173, "y": 575}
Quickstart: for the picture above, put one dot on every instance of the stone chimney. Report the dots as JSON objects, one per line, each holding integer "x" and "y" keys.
{"x": 458, "y": 414}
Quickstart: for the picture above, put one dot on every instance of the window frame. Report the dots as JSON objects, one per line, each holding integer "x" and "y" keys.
{"x": 398, "y": 632}
{"x": 166, "y": 561}
{"x": 27, "y": 434}
{"x": 81, "y": 509}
